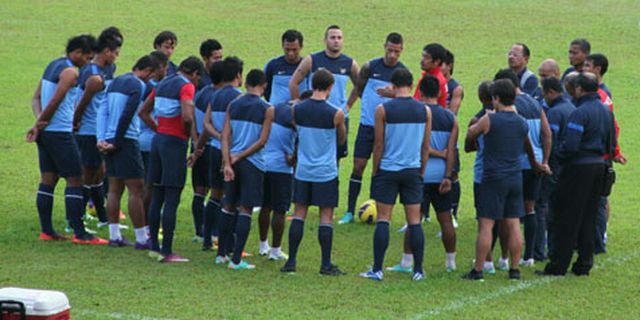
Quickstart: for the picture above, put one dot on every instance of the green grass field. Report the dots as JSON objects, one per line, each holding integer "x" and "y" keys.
{"x": 106, "y": 283}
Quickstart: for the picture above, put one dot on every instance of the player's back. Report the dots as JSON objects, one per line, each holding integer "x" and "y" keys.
{"x": 219, "y": 102}
{"x": 246, "y": 115}
{"x": 442, "y": 121}
{"x": 88, "y": 122}
{"x": 317, "y": 137}
{"x": 503, "y": 145}
{"x": 403, "y": 134}
{"x": 62, "y": 120}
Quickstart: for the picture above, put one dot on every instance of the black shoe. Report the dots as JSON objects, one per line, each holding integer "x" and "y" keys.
{"x": 473, "y": 275}
{"x": 514, "y": 274}
{"x": 331, "y": 271}
{"x": 288, "y": 268}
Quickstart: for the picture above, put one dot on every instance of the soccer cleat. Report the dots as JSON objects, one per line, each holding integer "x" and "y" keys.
{"x": 332, "y": 270}
{"x": 503, "y": 264}
{"x": 489, "y": 268}
{"x": 278, "y": 256}
{"x": 173, "y": 258}
{"x": 403, "y": 229}
{"x": 288, "y": 268}
{"x": 417, "y": 276}
{"x": 143, "y": 245}
{"x": 264, "y": 250}
{"x": 221, "y": 260}
{"x": 527, "y": 263}
{"x": 514, "y": 274}
{"x": 51, "y": 237}
{"x": 399, "y": 268}
{"x": 243, "y": 265}
{"x": 377, "y": 276}
{"x": 122, "y": 242}
{"x": 473, "y": 275}
{"x": 346, "y": 218}
{"x": 91, "y": 240}
{"x": 451, "y": 267}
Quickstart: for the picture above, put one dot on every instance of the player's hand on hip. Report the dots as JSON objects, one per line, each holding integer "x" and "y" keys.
{"x": 32, "y": 134}
{"x": 229, "y": 175}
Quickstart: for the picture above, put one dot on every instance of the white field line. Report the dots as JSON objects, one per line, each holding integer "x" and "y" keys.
{"x": 522, "y": 285}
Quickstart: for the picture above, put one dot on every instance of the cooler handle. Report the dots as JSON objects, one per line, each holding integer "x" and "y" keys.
{"x": 12, "y": 306}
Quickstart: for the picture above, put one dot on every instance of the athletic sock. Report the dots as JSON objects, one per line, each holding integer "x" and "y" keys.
{"x": 197, "y": 210}
{"x": 296, "y": 231}
{"x": 171, "y": 201}
{"x": 416, "y": 240}
{"x": 450, "y": 260}
{"x": 157, "y": 199}
{"x": 276, "y": 251}
{"x": 231, "y": 237}
{"x": 141, "y": 235}
{"x": 243, "y": 226}
{"x": 97, "y": 197}
{"x": 529, "y": 234}
{"x": 380, "y": 244}
{"x": 73, "y": 203}
{"x": 211, "y": 214}
{"x": 86, "y": 194}
{"x": 488, "y": 265}
{"x": 407, "y": 260}
{"x": 355, "y": 183}
{"x": 44, "y": 202}
{"x": 114, "y": 231}
{"x": 226, "y": 229}
{"x": 325, "y": 237}
{"x": 264, "y": 245}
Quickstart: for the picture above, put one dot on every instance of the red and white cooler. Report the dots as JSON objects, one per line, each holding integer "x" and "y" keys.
{"x": 31, "y": 304}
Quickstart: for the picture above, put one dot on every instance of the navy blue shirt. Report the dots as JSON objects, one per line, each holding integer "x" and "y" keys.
{"x": 403, "y": 134}
{"x": 279, "y": 73}
{"x": 219, "y": 103}
{"x": 341, "y": 69}
{"x": 558, "y": 115}
{"x": 528, "y": 81}
{"x": 246, "y": 116}
{"x": 503, "y": 146}
{"x": 379, "y": 76}
{"x": 452, "y": 85}
{"x": 317, "y": 136}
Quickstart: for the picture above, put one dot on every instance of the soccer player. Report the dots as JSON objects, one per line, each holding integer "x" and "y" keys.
{"x": 166, "y": 42}
{"x": 319, "y": 125}
{"x": 374, "y": 76}
{"x": 540, "y": 138}
{"x": 579, "y": 49}
{"x": 455, "y": 94}
{"x": 518, "y": 59}
{"x": 341, "y": 66}
{"x": 280, "y": 70}
{"x": 505, "y": 136}
{"x": 93, "y": 81}
{"x": 173, "y": 104}
{"x": 210, "y": 51}
{"x": 52, "y": 104}
{"x": 433, "y": 55}
{"x": 117, "y": 136}
{"x": 246, "y": 130}
{"x": 279, "y": 154}
{"x": 581, "y": 150}
{"x": 402, "y": 129}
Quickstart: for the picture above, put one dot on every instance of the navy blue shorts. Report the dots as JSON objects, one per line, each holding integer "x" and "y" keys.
{"x": 126, "y": 161}
{"x": 364, "y": 142}
{"x": 90, "y": 156}
{"x": 145, "y": 164}
{"x": 200, "y": 173}
{"x": 246, "y": 189}
{"x": 167, "y": 161}
{"x": 343, "y": 150}
{"x": 58, "y": 153}
{"x": 321, "y": 194}
{"x": 386, "y": 185}
{"x": 440, "y": 202}
{"x": 531, "y": 184}
{"x": 477, "y": 187}
{"x": 500, "y": 199}
{"x": 216, "y": 178}
{"x": 278, "y": 188}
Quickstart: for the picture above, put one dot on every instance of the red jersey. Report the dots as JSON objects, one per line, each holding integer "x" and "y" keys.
{"x": 436, "y": 72}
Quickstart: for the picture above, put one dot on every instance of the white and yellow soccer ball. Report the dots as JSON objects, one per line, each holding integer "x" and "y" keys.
{"x": 367, "y": 212}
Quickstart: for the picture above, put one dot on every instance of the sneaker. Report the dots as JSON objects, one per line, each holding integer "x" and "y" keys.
{"x": 346, "y": 218}
{"x": 243, "y": 265}
{"x": 527, "y": 263}
{"x": 288, "y": 268}
{"x": 331, "y": 271}
{"x": 503, "y": 265}
{"x": 417, "y": 276}
{"x": 90, "y": 240}
{"x": 514, "y": 274}
{"x": 122, "y": 242}
{"x": 489, "y": 269}
{"x": 403, "y": 229}
{"x": 221, "y": 260}
{"x": 143, "y": 245}
{"x": 51, "y": 237}
{"x": 452, "y": 267}
{"x": 173, "y": 258}
{"x": 399, "y": 268}
{"x": 264, "y": 250}
{"x": 377, "y": 276}
{"x": 278, "y": 256}
{"x": 473, "y": 275}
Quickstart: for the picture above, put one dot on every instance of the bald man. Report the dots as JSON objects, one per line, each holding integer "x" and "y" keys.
{"x": 548, "y": 68}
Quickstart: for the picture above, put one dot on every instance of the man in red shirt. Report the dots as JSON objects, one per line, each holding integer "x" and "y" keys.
{"x": 432, "y": 56}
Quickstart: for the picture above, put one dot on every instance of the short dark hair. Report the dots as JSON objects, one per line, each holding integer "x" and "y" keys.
{"x": 586, "y": 82}
{"x": 484, "y": 90}
{"x": 584, "y": 45}
{"x": 322, "y": 79}
{"x": 110, "y": 38}
{"x": 191, "y": 64}
{"x": 231, "y": 68}
{"x": 449, "y": 59}
{"x": 401, "y": 77}
{"x": 160, "y": 58}
{"x": 306, "y": 95}
{"x": 525, "y": 50}
{"x": 165, "y": 36}
{"x": 216, "y": 72}
{"x": 504, "y": 90}
{"x": 436, "y": 51}
{"x": 551, "y": 83}
{"x": 430, "y": 87}
{"x": 255, "y": 77}
{"x": 208, "y": 46}
{"x": 599, "y": 60}
{"x": 146, "y": 62}
{"x": 507, "y": 74}
{"x": 292, "y": 35}
{"x": 394, "y": 38}
{"x": 331, "y": 27}
{"x": 86, "y": 43}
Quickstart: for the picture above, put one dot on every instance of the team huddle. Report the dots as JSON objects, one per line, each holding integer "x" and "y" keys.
{"x": 544, "y": 150}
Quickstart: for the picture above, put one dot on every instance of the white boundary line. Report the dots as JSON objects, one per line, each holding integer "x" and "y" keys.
{"x": 522, "y": 285}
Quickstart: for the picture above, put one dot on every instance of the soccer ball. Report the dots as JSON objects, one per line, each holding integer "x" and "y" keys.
{"x": 367, "y": 212}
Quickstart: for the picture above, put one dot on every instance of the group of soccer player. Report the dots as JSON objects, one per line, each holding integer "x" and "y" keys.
{"x": 282, "y": 139}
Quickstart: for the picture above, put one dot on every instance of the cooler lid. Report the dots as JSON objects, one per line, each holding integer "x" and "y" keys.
{"x": 37, "y": 302}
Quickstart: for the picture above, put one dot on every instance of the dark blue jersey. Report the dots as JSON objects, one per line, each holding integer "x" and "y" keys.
{"x": 279, "y": 73}
{"x": 99, "y": 100}
{"x": 559, "y": 111}
{"x": 405, "y": 121}
{"x": 341, "y": 69}
{"x": 442, "y": 121}
{"x": 503, "y": 145}
{"x": 379, "y": 76}
{"x": 528, "y": 82}
{"x": 317, "y": 138}
{"x": 246, "y": 116}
